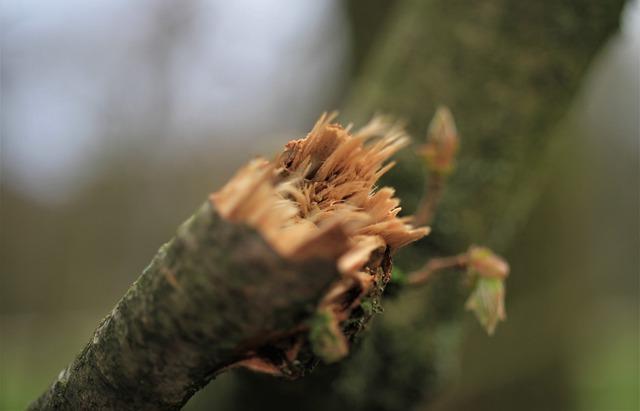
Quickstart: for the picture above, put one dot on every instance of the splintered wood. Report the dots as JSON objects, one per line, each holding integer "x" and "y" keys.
{"x": 318, "y": 198}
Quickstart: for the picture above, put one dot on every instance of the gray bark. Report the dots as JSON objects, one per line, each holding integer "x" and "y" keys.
{"x": 212, "y": 295}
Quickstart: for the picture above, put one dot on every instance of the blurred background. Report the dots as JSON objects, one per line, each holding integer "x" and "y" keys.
{"x": 118, "y": 117}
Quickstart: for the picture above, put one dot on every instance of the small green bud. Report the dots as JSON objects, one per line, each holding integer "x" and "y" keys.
{"x": 485, "y": 263}
{"x": 327, "y": 340}
{"x": 487, "y": 299}
{"x": 442, "y": 144}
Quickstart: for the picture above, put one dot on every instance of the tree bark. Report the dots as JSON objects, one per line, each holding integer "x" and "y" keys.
{"x": 211, "y": 296}
{"x": 508, "y": 70}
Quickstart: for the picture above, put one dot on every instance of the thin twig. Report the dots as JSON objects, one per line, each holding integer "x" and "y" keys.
{"x": 434, "y": 265}
{"x": 433, "y": 190}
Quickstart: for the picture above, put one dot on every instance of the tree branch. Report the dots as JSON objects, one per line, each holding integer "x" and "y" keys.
{"x": 278, "y": 299}
{"x": 211, "y": 296}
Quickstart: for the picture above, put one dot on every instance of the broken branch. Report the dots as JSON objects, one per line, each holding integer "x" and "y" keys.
{"x": 245, "y": 276}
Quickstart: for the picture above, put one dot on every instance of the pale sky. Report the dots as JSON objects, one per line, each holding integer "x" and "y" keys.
{"x": 79, "y": 77}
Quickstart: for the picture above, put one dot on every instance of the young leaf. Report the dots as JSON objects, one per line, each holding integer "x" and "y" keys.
{"x": 487, "y": 302}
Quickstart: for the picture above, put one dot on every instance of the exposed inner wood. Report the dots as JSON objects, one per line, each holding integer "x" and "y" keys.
{"x": 319, "y": 196}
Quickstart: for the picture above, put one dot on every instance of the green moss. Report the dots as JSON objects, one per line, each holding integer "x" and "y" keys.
{"x": 398, "y": 276}
{"x": 326, "y": 338}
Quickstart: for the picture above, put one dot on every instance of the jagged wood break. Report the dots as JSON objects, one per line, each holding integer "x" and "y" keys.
{"x": 250, "y": 278}
{"x": 319, "y": 199}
